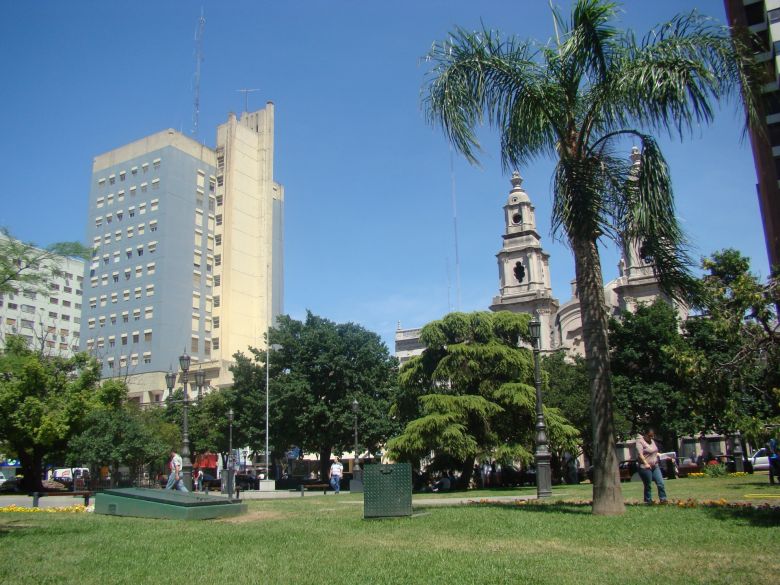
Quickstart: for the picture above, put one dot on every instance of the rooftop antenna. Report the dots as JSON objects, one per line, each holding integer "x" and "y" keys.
{"x": 246, "y": 93}
{"x": 455, "y": 229}
{"x": 198, "y": 61}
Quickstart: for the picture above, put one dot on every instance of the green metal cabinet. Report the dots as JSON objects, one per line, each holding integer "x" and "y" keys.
{"x": 387, "y": 490}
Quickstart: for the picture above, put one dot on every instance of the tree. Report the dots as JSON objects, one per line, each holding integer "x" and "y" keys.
{"x": 650, "y": 391}
{"x": 476, "y": 397}
{"x": 44, "y": 401}
{"x": 25, "y": 266}
{"x": 318, "y": 368}
{"x": 569, "y": 391}
{"x": 118, "y": 433}
{"x": 732, "y": 352}
{"x": 577, "y": 100}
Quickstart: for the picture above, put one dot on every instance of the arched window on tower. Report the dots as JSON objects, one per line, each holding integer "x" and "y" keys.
{"x": 519, "y": 271}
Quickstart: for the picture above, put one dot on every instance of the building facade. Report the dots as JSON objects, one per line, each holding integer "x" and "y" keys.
{"x": 762, "y": 18}
{"x": 187, "y": 253}
{"x": 48, "y": 316}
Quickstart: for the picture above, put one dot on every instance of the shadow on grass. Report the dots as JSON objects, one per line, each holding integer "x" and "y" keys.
{"x": 562, "y": 508}
{"x": 761, "y": 517}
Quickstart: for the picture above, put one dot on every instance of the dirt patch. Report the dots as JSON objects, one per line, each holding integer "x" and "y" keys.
{"x": 254, "y": 516}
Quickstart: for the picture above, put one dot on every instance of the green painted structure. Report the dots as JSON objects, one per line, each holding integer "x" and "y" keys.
{"x": 387, "y": 490}
{"x": 170, "y": 504}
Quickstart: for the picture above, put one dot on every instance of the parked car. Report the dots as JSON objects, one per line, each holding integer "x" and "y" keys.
{"x": 760, "y": 460}
{"x": 11, "y": 485}
{"x": 2, "y": 478}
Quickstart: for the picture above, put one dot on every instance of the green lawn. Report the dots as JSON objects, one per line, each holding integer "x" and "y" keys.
{"x": 325, "y": 539}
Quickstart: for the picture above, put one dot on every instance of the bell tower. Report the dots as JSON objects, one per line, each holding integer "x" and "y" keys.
{"x": 523, "y": 266}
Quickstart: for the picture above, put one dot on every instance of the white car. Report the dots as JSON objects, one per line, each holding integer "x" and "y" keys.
{"x": 760, "y": 460}
{"x": 2, "y": 478}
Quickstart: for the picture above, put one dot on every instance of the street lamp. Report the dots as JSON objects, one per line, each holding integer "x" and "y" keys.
{"x": 170, "y": 382}
{"x": 542, "y": 454}
{"x": 200, "y": 381}
{"x": 230, "y": 454}
{"x": 356, "y": 485}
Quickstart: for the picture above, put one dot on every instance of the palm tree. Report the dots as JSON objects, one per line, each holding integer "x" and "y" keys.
{"x": 579, "y": 99}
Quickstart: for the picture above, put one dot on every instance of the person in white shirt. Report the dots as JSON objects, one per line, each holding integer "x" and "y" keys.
{"x": 336, "y": 471}
{"x": 174, "y": 475}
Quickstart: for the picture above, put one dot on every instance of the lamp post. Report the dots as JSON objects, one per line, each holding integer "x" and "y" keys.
{"x": 170, "y": 382}
{"x": 230, "y": 454}
{"x": 356, "y": 485}
{"x": 542, "y": 454}
{"x": 739, "y": 464}
{"x": 200, "y": 382}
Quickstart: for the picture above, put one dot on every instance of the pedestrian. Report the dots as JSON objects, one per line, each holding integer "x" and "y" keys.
{"x": 199, "y": 486}
{"x": 649, "y": 468}
{"x": 174, "y": 476}
{"x": 773, "y": 454}
{"x": 336, "y": 471}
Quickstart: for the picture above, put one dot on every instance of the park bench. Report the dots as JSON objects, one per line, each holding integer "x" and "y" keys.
{"x": 36, "y": 496}
{"x": 314, "y": 486}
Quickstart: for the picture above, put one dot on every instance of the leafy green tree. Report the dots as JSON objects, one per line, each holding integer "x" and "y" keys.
{"x": 569, "y": 391}
{"x": 579, "y": 100}
{"x": 733, "y": 349}
{"x": 118, "y": 433}
{"x": 25, "y": 266}
{"x": 44, "y": 402}
{"x": 649, "y": 390}
{"x": 476, "y": 392}
{"x": 318, "y": 368}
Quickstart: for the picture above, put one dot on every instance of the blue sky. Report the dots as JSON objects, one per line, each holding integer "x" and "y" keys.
{"x": 369, "y": 222}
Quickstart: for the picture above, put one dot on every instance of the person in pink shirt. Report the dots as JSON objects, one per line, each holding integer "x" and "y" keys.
{"x": 649, "y": 466}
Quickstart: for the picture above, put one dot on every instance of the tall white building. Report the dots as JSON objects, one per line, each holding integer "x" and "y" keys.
{"x": 47, "y": 316}
{"x": 188, "y": 253}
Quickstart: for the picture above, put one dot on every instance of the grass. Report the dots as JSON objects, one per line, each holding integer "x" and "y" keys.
{"x": 317, "y": 539}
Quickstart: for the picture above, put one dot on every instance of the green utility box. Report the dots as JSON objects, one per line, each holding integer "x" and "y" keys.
{"x": 175, "y": 505}
{"x": 387, "y": 490}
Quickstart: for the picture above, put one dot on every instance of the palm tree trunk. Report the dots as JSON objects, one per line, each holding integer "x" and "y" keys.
{"x": 607, "y": 495}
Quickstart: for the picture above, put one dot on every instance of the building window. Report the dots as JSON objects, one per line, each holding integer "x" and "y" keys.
{"x": 125, "y": 316}
{"x": 148, "y": 360}
{"x": 137, "y": 292}
{"x": 215, "y": 343}
{"x": 134, "y": 359}
{"x": 139, "y": 271}
{"x": 148, "y": 312}
{"x": 150, "y": 268}
{"x": 219, "y": 219}
{"x": 99, "y": 202}
{"x": 131, "y": 211}
{"x": 142, "y": 208}
{"x": 194, "y": 345}
{"x": 152, "y": 247}
{"x": 141, "y": 228}
{"x": 144, "y": 187}
{"x": 124, "y": 338}
{"x": 149, "y": 290}
{"x": 136, "y": 336}
{"x": 156, "y": 184}
{"x": 130, "y": 232}
{"x": 147, "y": 335}
{"x": 156, "y": 163}
{"x": 216, "y": 301}
{"x": 153, "y": 226}
{"x": 136, "y": 314}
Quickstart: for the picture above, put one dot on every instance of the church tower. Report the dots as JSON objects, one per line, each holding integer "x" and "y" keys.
{"x": 523, "y": 267}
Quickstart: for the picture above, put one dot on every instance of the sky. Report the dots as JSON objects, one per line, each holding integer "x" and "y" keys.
{"x": 369, "y": 184}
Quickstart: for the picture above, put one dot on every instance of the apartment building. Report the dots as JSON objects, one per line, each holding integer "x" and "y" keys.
{"x": 47, "y": 316}
{"x": 762, "y": 18}
{"x": 187, "y": 253}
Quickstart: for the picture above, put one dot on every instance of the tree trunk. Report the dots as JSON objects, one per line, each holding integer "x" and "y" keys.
{"x": 607, "y": 495}
{"x": 467, "y": 471}
{"x": 324, "y": 463}
{"x": 31, "y": 470}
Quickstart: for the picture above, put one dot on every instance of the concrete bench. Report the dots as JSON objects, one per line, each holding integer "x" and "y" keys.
{"x": 314, "y": 486}
{"x": 36, "y": 496}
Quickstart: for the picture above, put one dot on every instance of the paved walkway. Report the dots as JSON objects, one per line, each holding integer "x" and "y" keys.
{"x": 61, "y": 501}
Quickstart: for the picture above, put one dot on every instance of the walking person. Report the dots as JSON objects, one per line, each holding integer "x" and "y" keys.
{"x": 773, "y": 454}
{"x": 336, "y": 471}
{"x": 174, "y": 476}
{"x": 649, "y": 468}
